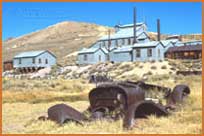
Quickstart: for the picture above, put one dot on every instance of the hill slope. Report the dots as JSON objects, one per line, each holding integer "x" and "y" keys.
{"x": 62, "y": 39}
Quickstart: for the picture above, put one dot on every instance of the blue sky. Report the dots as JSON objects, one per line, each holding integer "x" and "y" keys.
{"x": 20, "y": 18}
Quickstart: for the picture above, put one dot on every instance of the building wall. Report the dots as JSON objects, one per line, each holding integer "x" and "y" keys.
{"x": 92, "y": 58}
{"x": 7, "y": 66}
{"x": 144, "y": 56}
{"x": 120, "y": 56}
{"x": 43, "y": 57}
{"x": 28, "y": 62}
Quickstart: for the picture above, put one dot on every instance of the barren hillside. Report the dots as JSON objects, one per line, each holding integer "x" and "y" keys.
{"x": 62, "y": 39}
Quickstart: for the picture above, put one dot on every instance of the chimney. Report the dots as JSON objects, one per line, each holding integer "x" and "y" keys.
{"x": 158, "y": 30}
{"x": 134, "y": 19}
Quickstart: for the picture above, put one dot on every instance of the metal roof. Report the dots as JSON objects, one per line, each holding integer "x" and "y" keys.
{"x": 92, "y": 50}
{"x": 123, "y": 49}
{"x": 130, "y": 25}
{"x": 147, "y": 44}
{"x": 185, "y": 48}
{"x": 29, "y": 54}
{"x": 89, "y": 50}
{"x": 190, "y": 43}
{"x": 166, "y": 42}
{"x": 123, "y": 33}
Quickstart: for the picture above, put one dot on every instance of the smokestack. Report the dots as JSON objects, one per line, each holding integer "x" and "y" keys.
{"x": 158, "y": 30}
{"x": 134, "y": 19}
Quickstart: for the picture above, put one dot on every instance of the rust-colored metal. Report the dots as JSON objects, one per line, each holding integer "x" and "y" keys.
{"x": 61, "y": 113}
{"x": 125, "y": 99}
{"x": 113, "y": 95}
{"x": 178, "y": 94}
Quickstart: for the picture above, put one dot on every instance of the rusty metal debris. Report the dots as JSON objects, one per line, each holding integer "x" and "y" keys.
{"x": 114, "y": 100}
{"x": 62, "y": 113}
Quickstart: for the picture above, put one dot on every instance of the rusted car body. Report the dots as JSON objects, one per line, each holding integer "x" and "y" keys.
{"x": 62, "y": 113}
{"x": 127, "y": 97}
{"x": 121, "y": 99}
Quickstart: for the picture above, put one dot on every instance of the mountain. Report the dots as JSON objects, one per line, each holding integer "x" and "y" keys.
{"x": 64, "y": 39}
{"x": 61, "y": 39}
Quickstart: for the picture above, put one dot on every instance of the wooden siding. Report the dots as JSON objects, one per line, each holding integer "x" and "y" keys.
{"x": 92, "y": 58}
{"x": 34, "y": 61}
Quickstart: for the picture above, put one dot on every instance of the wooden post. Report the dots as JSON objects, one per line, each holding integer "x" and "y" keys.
{"x": 109, "y": 44}
{"x": 135, "y": 25}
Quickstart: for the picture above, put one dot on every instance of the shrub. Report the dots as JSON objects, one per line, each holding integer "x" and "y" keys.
{"x": 149, "y": 73}
{"x": 164, "y": 67}
{"x": 172, "y": 68}
{"x": 153, "y": 67}
{"x": 152, "y": 61}
{"x": 141, "y": 66}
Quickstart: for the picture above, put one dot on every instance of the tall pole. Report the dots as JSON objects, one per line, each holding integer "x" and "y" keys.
{"x": 109, "y": 44}
{"x": 135, "y": 25}
{"x": 158, "y": 30}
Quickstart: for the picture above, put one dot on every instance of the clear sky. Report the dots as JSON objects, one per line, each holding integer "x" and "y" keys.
{"x": 20, "y": 18}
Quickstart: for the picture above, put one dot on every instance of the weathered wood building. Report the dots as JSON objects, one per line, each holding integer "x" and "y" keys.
{"x": 33, "y": 60}
{"x": 185, "y": 52}
{"x": 7, "y": 65}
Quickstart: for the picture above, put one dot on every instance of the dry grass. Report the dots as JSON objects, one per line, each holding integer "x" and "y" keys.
{"x": 38, "y": 91}
{"x": 21, "y": 117}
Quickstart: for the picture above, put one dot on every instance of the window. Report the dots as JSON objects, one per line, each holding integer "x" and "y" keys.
{"x": 129, "y": 41}
{"x": 123, "y": 41}
{"x": 149, "y": 52}
{"x": 33, "y": 60}
{"x": 19, "y": 61}
{"x": 46, "y": 61}
{"x": 186, "y": 54}
{"x": 192, "y": 53}
{"x": 104, "y": 44}
{"x": 116, "y": 43}
{"x": 85, "y": 57}
{"x": 137, "y": 53}
{"x": 99, "y": 57}
{"x": 158, "y": 52}
{"x": 39, "y": 61}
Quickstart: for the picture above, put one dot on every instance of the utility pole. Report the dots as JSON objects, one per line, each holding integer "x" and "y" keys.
{"x": 109, "y": 44}
{"x": 135, "y": 25}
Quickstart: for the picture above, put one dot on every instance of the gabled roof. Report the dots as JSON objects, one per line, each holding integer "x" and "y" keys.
{"x": 30, "y": 54}
{"x": 123, "y": 49}
{"x": 129, "y": 25}
{"x": 88, "y": 50}
{"x": 104, "y": 50}
{"x": 166, "y": 42}
{"x": 123, "y": 33}
{"x": 185, "y": 48}
{"x": 147, "y": 44}
{"x": 92, "y": 50}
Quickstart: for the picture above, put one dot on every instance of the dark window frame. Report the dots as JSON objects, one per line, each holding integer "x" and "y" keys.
{"x": 19, "y": 61}
{"x": 138, "y": 53}
{"x": 129, "y": 41}
{"x": 46, "y": 61}
{"x": 149, "y": 52}
{"x": 33, "y": 60}
{"x": 39, "y": 61}
{"x": 85, "y": 57}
